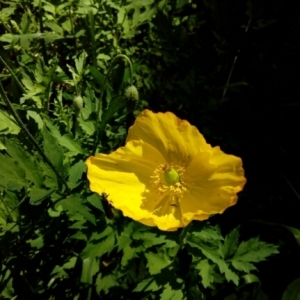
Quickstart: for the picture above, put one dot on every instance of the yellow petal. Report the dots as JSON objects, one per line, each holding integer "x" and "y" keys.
{"x": 216, "y": 179}
{"x": 177, "y": 140}
{"x": 125, "y": 176}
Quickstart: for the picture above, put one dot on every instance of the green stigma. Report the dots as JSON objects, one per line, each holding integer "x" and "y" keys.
{"x": 171, "y": 175}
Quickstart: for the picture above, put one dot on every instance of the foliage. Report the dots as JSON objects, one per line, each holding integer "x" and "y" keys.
{"x": 65, "y": 68}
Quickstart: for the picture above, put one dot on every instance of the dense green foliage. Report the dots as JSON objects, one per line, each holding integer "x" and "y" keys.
{"x": 66, "y": 67}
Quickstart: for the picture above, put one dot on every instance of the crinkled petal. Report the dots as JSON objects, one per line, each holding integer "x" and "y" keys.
{"x": 125, "y": 176}
{"x": 215, "y": 178}
{"x": 177, "y": 140}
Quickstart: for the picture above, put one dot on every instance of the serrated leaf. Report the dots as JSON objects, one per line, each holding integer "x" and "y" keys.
{"x": 213, "y": 256}
{"x": 75, "y": 204}
{"x": 102, "y": 247}
{"x": 37, "y": 195}
{"x": 208, "y": 233}
{"x": 7, "y": 124}
{"x": 206, "y": 272}
{"x": 156, "y": 262}
{"x": 242, "y": 266}
{"x": 24, "y": 161}
{"x": 148, "y": 284}
{"x": 70, "y": 264}
{"x": 55, "y": 213}
{"x": 106, "y": 282}
{"x": 170, "y": 294}
{"x": 149, "y": 239}
{"x": 231, "y": 243}
{"x": 36, "y": 117}
{"x": 8, "y": 206}
{"x": 11, "y": 173}
{"x": 87, "y": 126}
{"x": 128, "y": 254}
{"x": 79, "y": 63}
{"x": 66, "y": 140}
{"x": 50, "y": 178}
{"x": 76, "y": 171}
{"x": 96, "y": 201}
{"x": 53, "y": 150}
{"x": 124, "y": 239}
{"x": 254, "y": 250}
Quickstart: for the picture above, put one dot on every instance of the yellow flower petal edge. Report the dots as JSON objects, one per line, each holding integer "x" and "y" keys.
{"x": 174, "y": 138}
{"x": 167, "y": 175}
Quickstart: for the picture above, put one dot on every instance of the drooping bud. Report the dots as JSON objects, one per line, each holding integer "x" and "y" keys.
{"x": 132, "y": 96}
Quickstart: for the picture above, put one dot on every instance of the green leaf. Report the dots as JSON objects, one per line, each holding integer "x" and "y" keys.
{"x": 36, "y": 117}
{"x": 80, "y": 62}
{"x": 76, "y": 171}
{"x": 37, "y": 243}
{"x": 293, "y": 291}
{"x": 50, "y": 178}
{"x": 7, "y": 124}
{"x": 149, "y": 239}
{"x": 157, "y": 262}
{"x": 2, "y": 146}
{"x": 124, "y": 239}
{"x": 87, "y": 126}
{"x": 128, "y": 254}
{"x": 206, "y": 272}
{"x": 254, "y": 250}
{"x": 148, "y": 284}
{"x": 53, "y": 150}
{"x": 12, "y": 177}
{"x": 97, "y": 250}
{"x": 114, "y": 106}
{"x": 9, "y": 207}
{"x": 66, "y": 141}
{"x": 24, "y": 161}
{"x": 59, "y": 271}
{"x": 96, "y": 201}
{"x": 74, "y": 204}
{"x": 242, "y": 266}
{"x": 97, "y": 75}
{"x": 231, "y": 243}
{"x": 37, "y": 195}
{"x": 208, "y": 233}
{"x": 90, "y": 266}
{"x": 104, "y": 283}
{"x": 171, "y": 294}
{"x": 213, "y": 256}
{"x": 70, "y": 264}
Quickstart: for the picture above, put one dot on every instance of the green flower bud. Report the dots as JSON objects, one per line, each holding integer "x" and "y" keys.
{"x": 132, "y": 95}
{"x": 78, "y": 102}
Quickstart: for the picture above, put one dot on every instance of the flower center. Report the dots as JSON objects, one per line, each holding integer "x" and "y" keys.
{"x": 169, "y": 179}
{"x": 171, "y": 176}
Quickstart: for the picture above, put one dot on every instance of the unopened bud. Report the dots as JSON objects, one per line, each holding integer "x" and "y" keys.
{"x": 132, "y": 95}
{"x": 78, "y": 102}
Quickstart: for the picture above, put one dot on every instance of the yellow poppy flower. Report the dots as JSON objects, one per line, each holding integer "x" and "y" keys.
{"x": 167, "y": 175}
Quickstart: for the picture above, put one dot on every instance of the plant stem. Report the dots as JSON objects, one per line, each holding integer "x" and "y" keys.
{"x": 98, "y": 127}
{"x": 233, "y": 65}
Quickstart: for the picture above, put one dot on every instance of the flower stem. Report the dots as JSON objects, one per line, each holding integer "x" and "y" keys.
{"x": 98, "y": 127}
